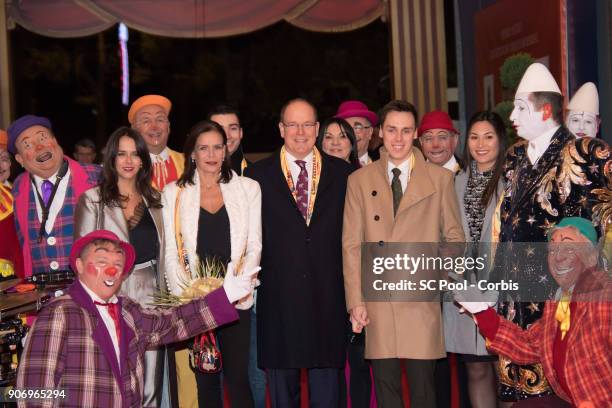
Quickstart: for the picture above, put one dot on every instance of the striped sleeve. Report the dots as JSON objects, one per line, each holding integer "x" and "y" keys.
{"x": 43, "y": 358}
{"x": 182, "y": 322}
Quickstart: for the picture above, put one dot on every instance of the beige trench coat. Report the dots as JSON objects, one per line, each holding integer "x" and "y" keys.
{"x": 428, "y": 212}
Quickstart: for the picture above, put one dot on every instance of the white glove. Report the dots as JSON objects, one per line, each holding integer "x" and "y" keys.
{"x": 237, "y": 287}
{"x": 473, "y": 300}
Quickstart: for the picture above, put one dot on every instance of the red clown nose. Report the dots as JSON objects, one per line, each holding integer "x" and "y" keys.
{"x": 81, "y": 243}
{"x": 111, "y": 271}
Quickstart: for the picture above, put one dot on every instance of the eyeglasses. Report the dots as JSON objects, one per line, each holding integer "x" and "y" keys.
{"x": 441, "y": 137}
{"x": 293, "y": 127}
{"x": 149, "y": 122}
{"x": 361, "y": 128}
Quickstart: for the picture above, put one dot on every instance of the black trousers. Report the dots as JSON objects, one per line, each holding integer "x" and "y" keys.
{"x": 361, "y": 384}
{"x": 233, "y": 340}
{"x": 323, "y": 387}
{"x": 443, "y": 382}
{"x": 388, "y": 382}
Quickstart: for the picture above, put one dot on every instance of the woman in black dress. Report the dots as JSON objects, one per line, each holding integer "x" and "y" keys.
{"x": 212, "y": 213}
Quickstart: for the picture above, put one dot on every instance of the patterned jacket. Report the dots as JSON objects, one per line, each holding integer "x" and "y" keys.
{"x": 69, "y": 347}
{"x": 588, "y": 362}
{"x": 573, "y": 178}
{"x": 52, "y": 251}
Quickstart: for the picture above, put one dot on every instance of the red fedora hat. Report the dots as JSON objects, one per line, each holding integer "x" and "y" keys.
{"x": 436, "y": 120}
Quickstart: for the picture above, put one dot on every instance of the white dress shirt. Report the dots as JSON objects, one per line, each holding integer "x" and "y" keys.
{"x": 364, "y": 159}
{"x": 163, "y": 155}
{"x": 58, "y": 200}
{"x": 451, "y": 164}
{"x": 404, "y": 175}
{"x": 106, "y": 318}
{"x": 295, "y": 169}
{"x": 538, "y": 146}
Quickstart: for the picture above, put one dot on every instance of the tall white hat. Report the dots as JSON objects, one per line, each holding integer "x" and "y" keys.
{"x": 586, "y": 99}
{"x": 537, "y": 78}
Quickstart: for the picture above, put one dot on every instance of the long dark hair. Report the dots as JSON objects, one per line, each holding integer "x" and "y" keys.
{"x": 109, "y": 190}
{"x": 190, "y": 166}
{"x": 347, "y": 129}
{"x": 498, "y": 125}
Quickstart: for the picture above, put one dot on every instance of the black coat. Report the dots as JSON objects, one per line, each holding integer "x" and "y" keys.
{"x": 301, "y": 316}
{"x": 236, "y": 160}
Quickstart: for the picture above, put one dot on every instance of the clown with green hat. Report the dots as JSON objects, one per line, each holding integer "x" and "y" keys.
{"x": 571, "y": 340}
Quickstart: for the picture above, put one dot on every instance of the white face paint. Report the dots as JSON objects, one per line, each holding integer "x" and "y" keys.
{"x": 582, "y": 124}
{"x": 528, "y": 123}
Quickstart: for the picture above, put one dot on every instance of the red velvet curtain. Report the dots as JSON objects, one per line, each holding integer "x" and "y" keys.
{"x": 190, "y": 18}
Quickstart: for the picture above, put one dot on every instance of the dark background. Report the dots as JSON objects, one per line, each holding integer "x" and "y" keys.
{"x": 77, "y": 82}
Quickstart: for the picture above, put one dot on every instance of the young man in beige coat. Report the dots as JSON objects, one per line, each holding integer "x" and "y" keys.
{"x": 415, "y": 204}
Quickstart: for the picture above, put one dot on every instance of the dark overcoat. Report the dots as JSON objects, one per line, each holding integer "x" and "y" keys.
{"x": 301, "y": 317}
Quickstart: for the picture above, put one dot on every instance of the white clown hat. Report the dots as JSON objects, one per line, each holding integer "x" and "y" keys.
{"x": 586, "y": 99}
{"x": 537, "y": 78}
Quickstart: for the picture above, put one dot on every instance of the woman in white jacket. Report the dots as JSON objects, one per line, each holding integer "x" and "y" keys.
{"x": 211, "y": 212}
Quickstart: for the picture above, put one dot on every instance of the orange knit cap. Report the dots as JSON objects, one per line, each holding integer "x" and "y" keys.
{"x": 3, "y": 139}
{"x": 148, "y": 100}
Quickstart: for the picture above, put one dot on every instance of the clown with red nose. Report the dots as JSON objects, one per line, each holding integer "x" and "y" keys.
{"x": 101, "y": 263}
{"x": 91, "y": 343}
{"x": 45, "y": 194}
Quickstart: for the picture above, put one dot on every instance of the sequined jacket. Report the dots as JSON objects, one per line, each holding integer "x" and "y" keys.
{"x": 572, "y": 178}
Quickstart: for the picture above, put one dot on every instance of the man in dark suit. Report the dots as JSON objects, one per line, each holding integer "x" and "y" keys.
{"x": 300, "y": 306}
